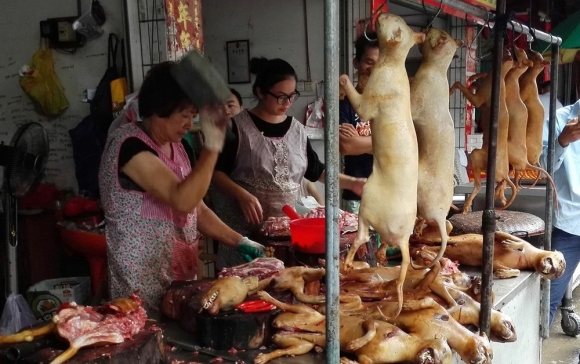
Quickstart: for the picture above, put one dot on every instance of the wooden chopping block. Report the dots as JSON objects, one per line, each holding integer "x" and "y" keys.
{"x": 145, "y": 347}
{"x": 240, "y": 330}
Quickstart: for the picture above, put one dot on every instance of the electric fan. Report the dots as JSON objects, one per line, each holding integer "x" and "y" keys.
{"x": 24, "y": 162}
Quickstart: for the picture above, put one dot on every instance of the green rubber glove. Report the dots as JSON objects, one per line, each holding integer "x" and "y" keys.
{"x": 249, "y": 249}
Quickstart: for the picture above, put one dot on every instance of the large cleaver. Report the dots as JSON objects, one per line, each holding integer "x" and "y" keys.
{"x": 200, "y": 80}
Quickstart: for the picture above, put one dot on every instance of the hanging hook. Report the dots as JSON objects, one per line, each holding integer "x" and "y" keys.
{"x": 549, "y": 45}
{"x": 486, "y": 24}
{"x": 436, "y": 14}
{"x": 371, "y": 19}
{"x": 520, "y": 33}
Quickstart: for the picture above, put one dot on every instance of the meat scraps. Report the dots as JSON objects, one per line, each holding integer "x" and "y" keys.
{"x": 260, "y": 267}
{"x": 277, "y": 227}
{"x": 111, "y": 323}
{"x": 118, "y": 320}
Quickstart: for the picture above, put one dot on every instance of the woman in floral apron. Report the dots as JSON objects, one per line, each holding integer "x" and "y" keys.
{"x": 152, "y": 197}
{"x": 266, "y": 157}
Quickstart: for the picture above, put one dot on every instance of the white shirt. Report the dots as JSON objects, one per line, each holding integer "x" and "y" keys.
{"x": 566, "y": 173}
{"x": 545, "y": 99}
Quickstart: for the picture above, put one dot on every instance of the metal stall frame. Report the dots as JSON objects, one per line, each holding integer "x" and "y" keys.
{"x": 500, "y": 22}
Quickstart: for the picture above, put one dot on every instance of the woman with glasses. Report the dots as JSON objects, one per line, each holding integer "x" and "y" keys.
{"x": 265, "y": 158}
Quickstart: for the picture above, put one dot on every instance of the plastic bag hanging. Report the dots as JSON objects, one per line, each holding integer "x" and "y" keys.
{"x": 42, "y": 85}
{"x": 89, "y": 24}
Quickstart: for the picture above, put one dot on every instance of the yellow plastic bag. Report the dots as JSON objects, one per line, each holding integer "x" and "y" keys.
{"x": 42, "y": 85}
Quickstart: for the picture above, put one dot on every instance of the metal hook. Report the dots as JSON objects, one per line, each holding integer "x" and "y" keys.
{"x": 436, "y": 14}
{"x": 371, "y": 19}
{"x": 522, "y": 30}
{"x": 549, "y": 45}
{"x": 486, "y": 24}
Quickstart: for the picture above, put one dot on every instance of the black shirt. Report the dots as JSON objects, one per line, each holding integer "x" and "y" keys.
{"x": 227, "y": 158}
{"x": 359, "y": 166}
{"x": 133, "y": 146}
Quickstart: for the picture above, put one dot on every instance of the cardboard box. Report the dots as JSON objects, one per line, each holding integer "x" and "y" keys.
{"x": 46, "y": 297}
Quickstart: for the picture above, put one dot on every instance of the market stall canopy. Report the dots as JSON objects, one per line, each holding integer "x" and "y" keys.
{"x": 569, "y": 31}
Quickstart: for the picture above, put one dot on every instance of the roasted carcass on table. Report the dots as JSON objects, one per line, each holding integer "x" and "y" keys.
{"x": 226, "y": 293}
{"x": 389, "y": 198}
{"x": 111, "y": 323}
{"x": 302, "y": 328}
{"x": 180, "y": 293}
{"x": 511, "y": 254}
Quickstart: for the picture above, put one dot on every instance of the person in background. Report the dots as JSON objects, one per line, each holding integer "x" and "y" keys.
{"x": 152, "y": 197}
{"x": 234, "y": 104}
{"x": 566, "y": 221}
{"x": 544, "y": 93}
{"x": 265, "y": 159}
{"x": 355, "y": 134}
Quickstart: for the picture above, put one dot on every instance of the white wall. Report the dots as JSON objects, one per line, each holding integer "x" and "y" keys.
{"x": 19, "y": 39}
{"x": 275, "y": 29}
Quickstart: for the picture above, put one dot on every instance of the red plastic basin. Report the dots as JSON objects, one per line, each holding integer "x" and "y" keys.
{"x": 308, "y": 235}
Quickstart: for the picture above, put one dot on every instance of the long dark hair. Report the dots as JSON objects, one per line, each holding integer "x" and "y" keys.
{"x": 270, "y": 72}
{"x": 160, "y": 94}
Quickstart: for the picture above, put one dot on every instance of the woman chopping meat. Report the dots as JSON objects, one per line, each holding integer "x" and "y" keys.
{"x": 266, "y": 157}
{"x": 152, "y": 197}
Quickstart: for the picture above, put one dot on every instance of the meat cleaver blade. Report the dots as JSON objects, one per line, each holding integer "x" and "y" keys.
{"x": 200, "y": 81}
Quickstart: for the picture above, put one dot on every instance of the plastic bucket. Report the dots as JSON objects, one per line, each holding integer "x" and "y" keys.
{"x": 308, "y": 235}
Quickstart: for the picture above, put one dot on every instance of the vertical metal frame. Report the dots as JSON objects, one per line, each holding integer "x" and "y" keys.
{"x": 332, "y": 159}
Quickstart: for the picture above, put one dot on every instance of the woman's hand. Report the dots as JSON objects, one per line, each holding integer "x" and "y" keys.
{"x": 251, "y": 207}
{"x": 249, "y": 249}
{"x": 214, "y": 122}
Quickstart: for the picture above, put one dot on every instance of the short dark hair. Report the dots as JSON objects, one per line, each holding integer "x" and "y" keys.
{"x": 237, "y": 95}
{"x": 160, "y": 94}
{"x": 363, "y": 43}
{"x": 270, "y": 72}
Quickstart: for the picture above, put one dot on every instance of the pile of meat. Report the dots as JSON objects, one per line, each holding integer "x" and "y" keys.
{"x": 259, "y": 267}
{"x": 184, "y": 297}
{"x": 279, "y": 227}
{"x": 439, "y": 305}
{"x": 111, "y": 323}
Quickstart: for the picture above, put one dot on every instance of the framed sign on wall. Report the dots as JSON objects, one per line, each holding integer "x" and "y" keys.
{"x": 238, "y": 55}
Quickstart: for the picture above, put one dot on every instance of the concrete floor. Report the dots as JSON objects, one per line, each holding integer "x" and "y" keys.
{"x": 560, "y": 348}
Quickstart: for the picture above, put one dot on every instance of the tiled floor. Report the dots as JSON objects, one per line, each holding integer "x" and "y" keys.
{"x": 560, "y": 348}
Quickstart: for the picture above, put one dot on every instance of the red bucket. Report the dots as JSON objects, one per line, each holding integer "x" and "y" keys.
{"x": 308, "y": 235}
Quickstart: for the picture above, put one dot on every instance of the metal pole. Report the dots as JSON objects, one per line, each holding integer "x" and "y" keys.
{"x": 483, "y": 14}
{"x": 545, "y": 283}
{"x": 488, "y": 217}
{"x": 331, "y": 61}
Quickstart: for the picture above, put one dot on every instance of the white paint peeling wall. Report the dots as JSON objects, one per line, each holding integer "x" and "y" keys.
{"x": 19, "y": 39}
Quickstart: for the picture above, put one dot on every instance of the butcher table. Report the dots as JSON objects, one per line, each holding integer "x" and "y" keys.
{"x": 517, "y": 297}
